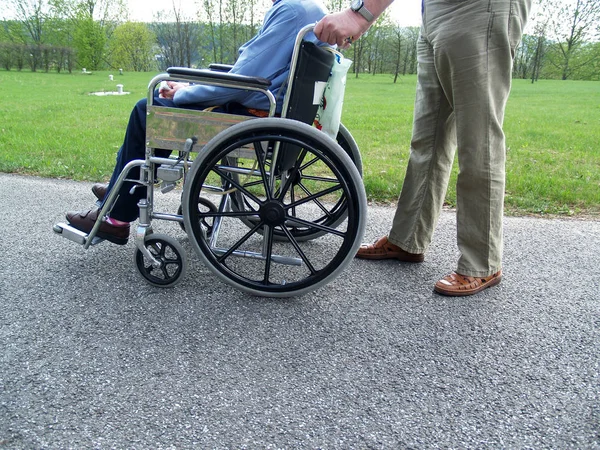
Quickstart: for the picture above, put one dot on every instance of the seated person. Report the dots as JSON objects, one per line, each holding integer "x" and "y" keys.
{"x": 266, "y": 55}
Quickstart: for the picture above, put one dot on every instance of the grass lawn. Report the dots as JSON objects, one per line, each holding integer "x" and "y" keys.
{"x": 51, "y": 127}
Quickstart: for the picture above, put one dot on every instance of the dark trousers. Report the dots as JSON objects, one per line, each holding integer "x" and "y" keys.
{"x": 134, "y": 147}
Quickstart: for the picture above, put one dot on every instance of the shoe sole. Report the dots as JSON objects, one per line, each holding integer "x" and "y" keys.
{"x": 464, "y": 293}
{"x": 112, "y": 238}
{"x": 382, "y": 257}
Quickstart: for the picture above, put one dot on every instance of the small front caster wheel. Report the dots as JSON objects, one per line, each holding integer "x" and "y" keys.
{"x": 172, "y": 260}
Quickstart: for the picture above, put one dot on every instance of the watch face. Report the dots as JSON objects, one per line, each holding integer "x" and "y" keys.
{"x": 356, "y": 4}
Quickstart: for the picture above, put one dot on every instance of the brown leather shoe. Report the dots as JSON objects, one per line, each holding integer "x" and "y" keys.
{"x": 384, "y": 249}
{"x": 457, "y": 285}
{"x": 99, "y": 190}
{"x": 84, "y": 221}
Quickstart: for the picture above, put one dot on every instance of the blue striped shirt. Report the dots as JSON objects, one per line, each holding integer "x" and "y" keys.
{"x": 266, "y": 55}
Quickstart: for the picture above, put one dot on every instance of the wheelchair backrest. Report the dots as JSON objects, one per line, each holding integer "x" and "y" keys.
{"x": 312, "y": 65}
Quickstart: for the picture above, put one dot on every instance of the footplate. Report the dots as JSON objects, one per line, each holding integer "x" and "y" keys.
{"x": 73, "y": 234}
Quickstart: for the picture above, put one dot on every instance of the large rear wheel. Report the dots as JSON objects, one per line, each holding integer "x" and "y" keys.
{"x": 260, "y": 248}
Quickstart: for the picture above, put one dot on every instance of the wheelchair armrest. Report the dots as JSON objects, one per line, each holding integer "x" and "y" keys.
{"x": 220, "y": 67}
{"x": 228, "y": 78}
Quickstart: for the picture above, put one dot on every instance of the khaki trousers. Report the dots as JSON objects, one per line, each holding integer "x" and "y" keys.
{"x": 464, "y": 55}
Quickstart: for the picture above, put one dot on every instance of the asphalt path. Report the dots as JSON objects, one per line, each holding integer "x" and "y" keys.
{"x": 94, "y": 357}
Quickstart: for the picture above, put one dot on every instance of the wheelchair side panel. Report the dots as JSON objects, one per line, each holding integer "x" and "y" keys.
{"x": 168, "y": 128}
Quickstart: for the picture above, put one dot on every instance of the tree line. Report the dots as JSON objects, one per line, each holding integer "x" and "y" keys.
{"x": 67, "y": 35}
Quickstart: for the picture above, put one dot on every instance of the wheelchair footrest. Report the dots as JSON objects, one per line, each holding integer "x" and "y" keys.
{"x": 73, "y": 234}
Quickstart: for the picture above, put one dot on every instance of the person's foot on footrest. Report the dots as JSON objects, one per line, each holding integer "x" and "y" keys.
{"x": 99, "y": 190}
{"x": 457, "y": 285}
{"x": 84, "y": 221}
{"x": 384, "y": 249}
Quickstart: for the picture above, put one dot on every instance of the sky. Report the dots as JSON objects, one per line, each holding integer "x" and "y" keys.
{"x": 407, "y": 12}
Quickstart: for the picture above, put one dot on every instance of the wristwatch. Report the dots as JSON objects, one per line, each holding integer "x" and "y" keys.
{"x": 359, "y": 7}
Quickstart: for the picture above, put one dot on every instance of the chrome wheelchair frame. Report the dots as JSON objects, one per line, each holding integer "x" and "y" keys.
{"x": 256, "y": 194}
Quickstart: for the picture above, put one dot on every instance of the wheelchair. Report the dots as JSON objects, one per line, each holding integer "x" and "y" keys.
{"x": 256, "y": 191}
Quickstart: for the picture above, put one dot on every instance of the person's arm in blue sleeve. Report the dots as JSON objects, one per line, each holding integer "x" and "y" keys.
{"x": 267, "y": 55}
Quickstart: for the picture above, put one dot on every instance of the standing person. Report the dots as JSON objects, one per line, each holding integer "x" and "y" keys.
{"x": 464, "y": 54}
{"x": 266, "y": 55}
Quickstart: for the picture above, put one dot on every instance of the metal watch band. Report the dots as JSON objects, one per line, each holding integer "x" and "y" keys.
{"x": 363, "y": 11}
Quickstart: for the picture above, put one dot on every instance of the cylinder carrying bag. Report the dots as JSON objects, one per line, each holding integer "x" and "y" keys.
{"x": 329, "y": 113}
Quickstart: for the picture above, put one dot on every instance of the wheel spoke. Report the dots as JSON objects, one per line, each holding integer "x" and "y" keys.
{"x": 312, "y": 197}
{"x": 309, "y": 163}
{"x": 163, "y": 251}
{"x": 269, "y": 250}
{"x": 317, "y": 225}
{"x": 253, "y": 183}
{"x": 218, "y": 170}
{"x": 316, "y": 201}
{"x": 321, "y": 179}
{"x": 293, "y": 200}
{"x": 260, "y": 157}
{"x": 305, "y": 259}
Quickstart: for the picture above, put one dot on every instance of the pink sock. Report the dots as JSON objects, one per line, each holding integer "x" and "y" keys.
{"x": 115, "y": 222}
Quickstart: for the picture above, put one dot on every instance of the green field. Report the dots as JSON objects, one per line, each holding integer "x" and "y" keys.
{"x": 51, "y": 127}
